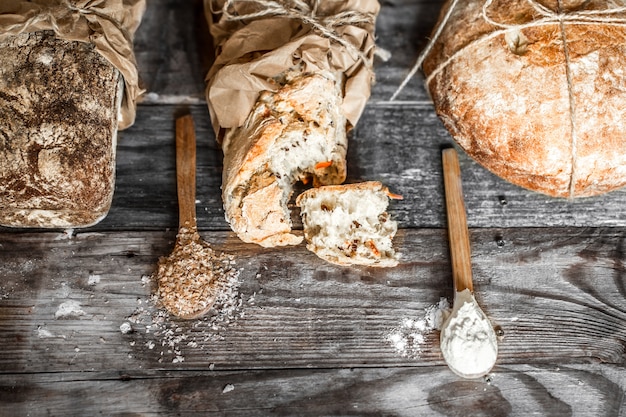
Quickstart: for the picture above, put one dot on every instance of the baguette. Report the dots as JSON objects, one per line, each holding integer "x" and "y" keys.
{"x": 295, "y": 133}
{"x": 289, "y": 80}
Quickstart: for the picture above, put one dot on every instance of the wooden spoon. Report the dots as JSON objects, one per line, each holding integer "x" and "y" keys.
{"x": 468, "y": 340}
{"x": 185, "y": 277}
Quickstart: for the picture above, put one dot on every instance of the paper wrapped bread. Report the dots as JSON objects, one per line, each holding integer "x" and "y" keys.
{"x": 68, "y": 81}
{"x": 287, "y": 84}
{"x": 535, "y": 91}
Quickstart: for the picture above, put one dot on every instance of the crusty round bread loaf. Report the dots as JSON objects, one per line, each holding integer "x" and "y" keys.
{"x": 535, "y": 91}
{"x": 294, "y": 133}
{"x": 59, "y": 111}
{"x": 348, "y": 225}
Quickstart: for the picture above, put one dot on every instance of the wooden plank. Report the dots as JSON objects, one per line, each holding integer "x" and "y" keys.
{"x": 403, "y": 28}
{"x": 593, "y": 390}
{"x": 173, "y": 51}
{"x": 399, "y": 145}
{"x": 557, "y": 295}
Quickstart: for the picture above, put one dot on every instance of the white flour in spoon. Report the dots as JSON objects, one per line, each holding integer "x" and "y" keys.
{"x": 469, "y": 343}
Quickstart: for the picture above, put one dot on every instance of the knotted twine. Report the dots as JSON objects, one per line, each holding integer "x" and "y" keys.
{"x": 257, "y": 40}
{"x": 543, "y": 16}
{"x": 107, "y": 24}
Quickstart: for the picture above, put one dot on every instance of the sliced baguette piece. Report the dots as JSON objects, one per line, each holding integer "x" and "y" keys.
{"x": 348, "y": 224}
{"x": 295, "y": 133}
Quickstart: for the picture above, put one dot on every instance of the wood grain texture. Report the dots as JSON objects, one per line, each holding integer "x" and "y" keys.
{"x": 592, "y": 390}
{"x": 458, "y": 234}
{"x": 186, "y": 171}
{"x": 557, "y": 295}
{"x": 311, "y": 339}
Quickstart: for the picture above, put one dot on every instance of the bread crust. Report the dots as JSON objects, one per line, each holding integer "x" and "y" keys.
{"x": 364, "y": 238}
{"x": 539, "y": 105}
{"x": 59, "y": 110}
{"x": 285, "y": 138}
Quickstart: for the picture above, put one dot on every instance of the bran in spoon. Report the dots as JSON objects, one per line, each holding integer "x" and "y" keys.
{"x": 190, "y": 278}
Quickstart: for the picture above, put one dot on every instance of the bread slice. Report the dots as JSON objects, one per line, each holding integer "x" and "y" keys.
{"x": 295, "y": 133}
{"x": 348, "y": 225}
{"x": 59, "y": 109}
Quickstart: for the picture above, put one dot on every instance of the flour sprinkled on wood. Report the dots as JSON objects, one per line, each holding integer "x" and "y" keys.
{"x": 410, "y": 335}
{"x": 169, "y": 337}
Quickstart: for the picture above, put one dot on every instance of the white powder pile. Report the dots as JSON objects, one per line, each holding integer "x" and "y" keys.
{"x": 69, "y": 310}
{"x": 468, "y": 341}
{"x": 155, "y": 329}
{"x": 408, "y": 338}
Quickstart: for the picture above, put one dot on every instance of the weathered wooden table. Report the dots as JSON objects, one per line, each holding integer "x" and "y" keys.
{"x": 81, "y": 336}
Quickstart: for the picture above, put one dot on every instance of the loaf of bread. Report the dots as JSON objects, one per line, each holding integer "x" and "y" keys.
{"x": 348, "y": 224}
{"x": 535, "y": 90}
{"x": 289, "y": 80}
{"x": 59, "y": 111}
{"x": 295, "y": 133}
{"x": 68, "y": 82}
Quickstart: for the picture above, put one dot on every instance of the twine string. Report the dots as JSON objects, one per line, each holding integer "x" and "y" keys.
{"x": 68, "y": 21}
{"x": 51, "y": 15}
{"x": 546, "y": 17}
{"x": 307, "y": 13}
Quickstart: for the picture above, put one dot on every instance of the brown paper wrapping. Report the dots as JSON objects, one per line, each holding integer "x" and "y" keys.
{"x": 107, "y": 24}
{"x": 252, "y": 51}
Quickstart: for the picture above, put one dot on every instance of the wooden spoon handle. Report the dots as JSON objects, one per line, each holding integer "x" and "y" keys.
{"x": 186, "y": 171}
{"x": 458, "y": 234}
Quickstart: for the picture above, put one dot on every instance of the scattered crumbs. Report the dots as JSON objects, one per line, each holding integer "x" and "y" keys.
{"x": 6, "y": 291}
{"x": 68, "y": 310}
{"x": 514, "y": 318}
{"x": 211, "y": 366}
{"x": 170, "y": 337}
{"x": 44, "y": 333}
{"x": 228, "y": 388}
{"x": 145, "y": 279}
{"x": 409, "y": 337}
{"x": 126, "y": 328}
{"x": 67, "y": 234}
{"x": 93, "y": 279}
